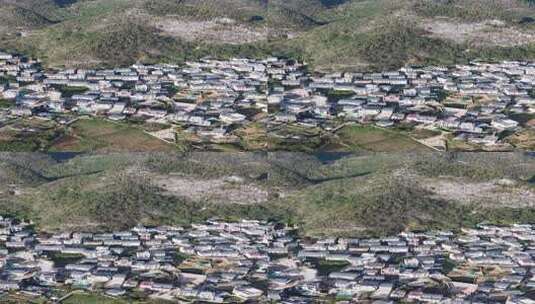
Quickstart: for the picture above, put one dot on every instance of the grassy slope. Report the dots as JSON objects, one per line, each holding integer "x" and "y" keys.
{"x": 371, "y": 194}
{"x": 381, "y": 205}
{"x": 85, "y": 135}
{"x": 374, "y": 34}
{"x": 24, "y": 135}
{"x": 113, "y": 33}
{"x": 92, "y": 192}
{"x": 87, "y": 298}
{"x": 100, "y": 135}
{"x": 473, "y": 10}
{"x": 91, "y": 299}
{"x": 18, "y": 17}
{"x": 384, "y": 34}
{"x": 47, "y": 10}
{"x": 388, "y": 200}
{"x": 241, "y": 10}
{"x": 356, "y": 138}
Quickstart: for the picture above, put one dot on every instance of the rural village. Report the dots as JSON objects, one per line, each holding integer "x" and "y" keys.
{"x": 480, "y": 103}
{"x": 264, "y": 151}
{"x": 257, "y": 261}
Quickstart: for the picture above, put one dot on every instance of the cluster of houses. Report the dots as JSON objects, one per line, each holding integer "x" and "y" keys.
{"x": 229, "y": 262}
{"x": 475, "y": 102}
{"x": 209, "y": 98}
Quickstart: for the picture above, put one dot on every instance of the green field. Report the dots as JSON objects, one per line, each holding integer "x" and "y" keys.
{"x": 368, "y": 138}
{"x": 19, "y": 299}
{"x": 91, "y": 299}
{"x": 100, "y": 135}
{"x": 84, "y": 298}
{"x": 5, "y": 103}
{"x": 351, "y": 138}
{"x": 295, "y": 138}
{"x": 84, "y": 135}
{"x": 68, "y": 91}
{"x": 27, "y": 135}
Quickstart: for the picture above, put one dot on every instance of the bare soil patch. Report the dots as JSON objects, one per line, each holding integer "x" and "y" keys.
{"x": 486, "y": 33}
{"x": 494, "y": 194}
{"x": 222, "y": 190}
{"x": 219, "y": 30}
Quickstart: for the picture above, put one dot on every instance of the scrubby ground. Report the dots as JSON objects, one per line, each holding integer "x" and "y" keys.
{"x": 220, "y": 30}
{"x": 322, "y": 194}
{"x": 495, "y": 193}
{"x": 82, "y": 135}
{"x": 232, "y": 189}
{"x": 493, "y": 33}
{"x": 352, "y": 34}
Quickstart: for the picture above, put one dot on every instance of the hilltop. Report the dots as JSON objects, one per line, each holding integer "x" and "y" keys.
{"x": 336, "y": 34}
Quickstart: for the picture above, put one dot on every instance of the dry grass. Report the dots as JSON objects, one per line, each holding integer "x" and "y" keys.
{"x": 524, "y": 140}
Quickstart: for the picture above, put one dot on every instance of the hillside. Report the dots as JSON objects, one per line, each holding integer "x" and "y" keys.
{"x": 324, "y": 194}
{"x": 14, "y": 17}
{"x": 352, "y": 34}
{"x": 119, "y": 32}
{"x": 387, "y": 34}
{"x": 394, "y": 192}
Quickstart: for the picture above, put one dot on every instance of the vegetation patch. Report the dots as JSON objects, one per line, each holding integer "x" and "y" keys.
{"x": 83, "y": 298}
{"x": 28, "y": 135}
{"x": 5, "y": 103}
{"x": 473, "y": 10}
{"x": 70, "y": 91}
{"x": 100, "y": 135}
{"x": 329, "y": 35}
{"x": 62, "y": 259}
{"x": 370, "y": 138}
{"x": 350, "y": 195}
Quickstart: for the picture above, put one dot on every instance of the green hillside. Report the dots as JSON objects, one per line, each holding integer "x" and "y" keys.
{"x": 14, "y": 16}
{"x": 352, "y": 34}
{"x": 51, "y": 10}
{"x": 352, "y": 195}
{"x": 386, "y": 194}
